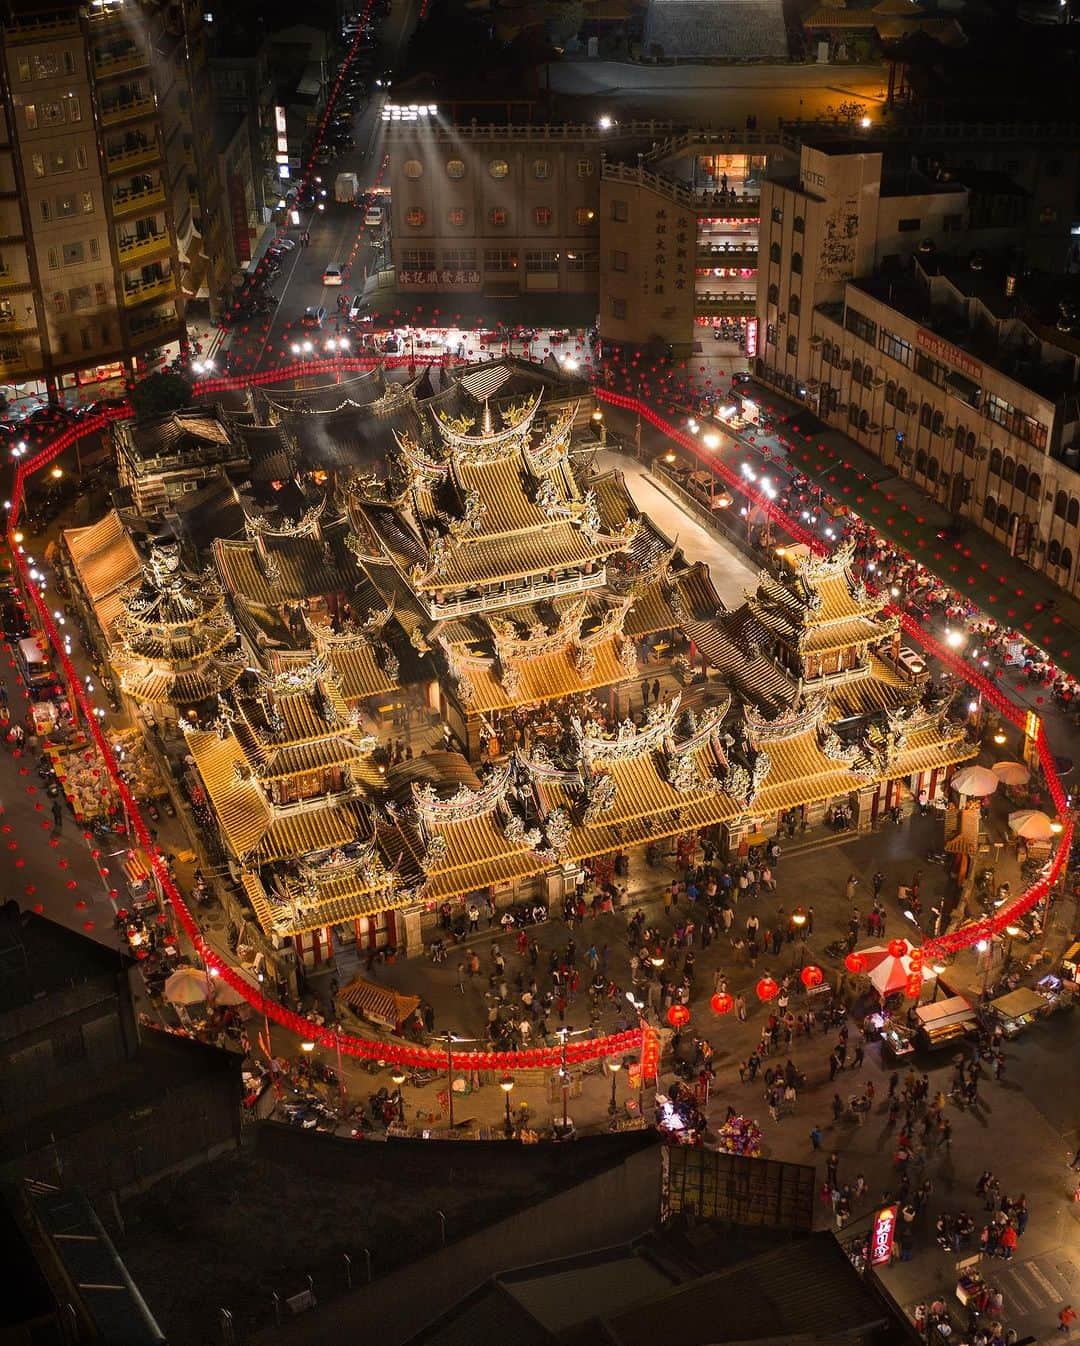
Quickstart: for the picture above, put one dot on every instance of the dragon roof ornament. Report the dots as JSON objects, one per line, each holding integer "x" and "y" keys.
{"x": 258, "y": 525}
{"x": 491, "y": 442}
{"x": 788, "y": 723}
{"x": 630, "y": 741}
{"x": 464, "y": 804}
{"x": 510, "y": 644}
{"x": 326, "y": 638}
{"x": 552, "y": 443}
{"x": 301, "y": 678}
{"x": 416, "y": 457}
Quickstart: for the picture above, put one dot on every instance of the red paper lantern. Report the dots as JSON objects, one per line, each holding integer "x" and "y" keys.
{"x": 914, "y": 987}
{"x": 722, "y": 1003}
{"x": 811, "y": 975}
{"x": 767, "y": 989}
{"x": 678, "y": 1016}
{"x": 855, "y": 963}
{"x": 898, "y": 947}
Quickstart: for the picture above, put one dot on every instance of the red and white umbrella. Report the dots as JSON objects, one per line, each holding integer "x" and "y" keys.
{"x": 887, "y": 969}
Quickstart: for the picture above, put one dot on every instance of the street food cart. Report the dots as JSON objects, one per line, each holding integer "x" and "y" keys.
{"x": 1055, "y": 991}
{"x": 1018, "y": 1009}
{"x": 971, "y": 1289}
{"x": 941, "y": 1022}
{"x": 896, "y": 1040}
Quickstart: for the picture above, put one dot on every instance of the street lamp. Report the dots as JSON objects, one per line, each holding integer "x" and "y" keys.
{"x": 1012, "y": 931}
{"x": 398, "y": 1077}
{"x": 614, "y": 1066}
{"x": 307, "y": 1046}
{"x": 999, "y": 736}
{"x": 506, "y": 1084}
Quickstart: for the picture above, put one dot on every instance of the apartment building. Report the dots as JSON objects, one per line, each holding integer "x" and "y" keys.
{"x": 92, "y": 248}
{"x": 899, "y": 307}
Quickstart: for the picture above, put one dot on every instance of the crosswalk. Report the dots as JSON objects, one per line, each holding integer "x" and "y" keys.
{"x": 1034, "y": 1289}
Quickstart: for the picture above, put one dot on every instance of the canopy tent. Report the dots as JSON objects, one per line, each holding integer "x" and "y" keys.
{"x": 1011, "y": 773}
{"x": 381, "y": 1004}
{"x": 887, "y": 972}
{"x": 975, "y": 780}
{"x": 187, "y": 986}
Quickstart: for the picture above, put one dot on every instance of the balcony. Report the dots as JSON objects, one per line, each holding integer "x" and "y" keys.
{"x": 115, "y": 113}
{"x": 26, "y": 29}
{"x": 152, "y": 324}
{"x": 106, "y": 14}
{"x": 11, "y": 325}
{"x": 531, "y": 590}
{"x": 143, "y": 291}
{"x": 135, "y": 249}
{"x": 119, "y": 161}
{"x": 10, "y": 281}
{"x": 131, "y": 203}
{"x": 743, "y": 257}
{"x": 109, "y": 63}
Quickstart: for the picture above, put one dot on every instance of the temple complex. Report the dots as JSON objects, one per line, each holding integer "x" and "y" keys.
{"x": 409, "y": 676}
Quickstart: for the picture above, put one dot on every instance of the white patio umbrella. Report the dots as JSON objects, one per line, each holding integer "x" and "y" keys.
{"x": 187, "y": 986}
{"x": 1011, "y": 773}
{"x": 1032, "y": 824}
{"x": 975, "y": 780}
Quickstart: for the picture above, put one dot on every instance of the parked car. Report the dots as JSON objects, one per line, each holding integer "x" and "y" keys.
{"x": 332, "y": 275}
{"x": 356, "y": 308}
{"x": 313, "y": 316}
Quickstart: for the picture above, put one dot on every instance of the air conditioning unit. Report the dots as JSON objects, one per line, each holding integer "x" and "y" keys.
{"x": 843, "y": 406}
{"x": 815, "y": 341}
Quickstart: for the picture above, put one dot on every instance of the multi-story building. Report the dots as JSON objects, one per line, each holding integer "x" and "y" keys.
{"x": 94, "y": 234}
{"x": 242, "y": 79}
{"x": 891, "y": 306}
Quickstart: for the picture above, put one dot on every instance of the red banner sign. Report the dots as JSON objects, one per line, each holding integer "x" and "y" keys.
{"x": 881, "y": 1237}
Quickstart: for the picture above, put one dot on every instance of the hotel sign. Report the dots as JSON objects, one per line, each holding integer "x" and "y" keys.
{"x": 945, "y": 350}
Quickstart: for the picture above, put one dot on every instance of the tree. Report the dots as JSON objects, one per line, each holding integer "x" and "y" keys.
{"x": 158, "y": 394}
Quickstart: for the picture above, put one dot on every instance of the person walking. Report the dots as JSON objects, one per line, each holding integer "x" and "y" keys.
{"x": 815, "y": 1138}
{"x": 1066, "y": 1318}
{"x": 58, "y": 816}
{"x": 832, "y": 1165}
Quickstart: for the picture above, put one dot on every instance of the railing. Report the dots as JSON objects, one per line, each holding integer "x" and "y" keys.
{"x": 706, "y": 137}
{"x": 9, "y": 281}
{"x": 726, "y": 256}
{"x": 527, "y": 592}
{"x": 725, "y": 305}
{"x": 154, "y": 323}
{"x": 25, "y": 29}
{"x": 142, "y": 291}
{"x": 538, "y": 131}
{"x": 142, "y": 154}
{"x": 120, "y": 112}
{"x": 128, "y": 203}
{"x": 106, "y": 64}
{"x": 141, "y": 247}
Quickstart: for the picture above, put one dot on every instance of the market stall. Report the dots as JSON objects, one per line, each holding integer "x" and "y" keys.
{"x": 89, "y": 787}
{"x": 1018, "y": 1009}
{"x": 944, "y": 1021}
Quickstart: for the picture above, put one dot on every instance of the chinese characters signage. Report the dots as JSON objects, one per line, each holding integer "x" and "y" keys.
{"x": 434, "y": 277}
{"x": 881, "y": 1236}
{"x": 671, "y": 266}
{"x": 238, "y": 210}
{"x": 945, "y": 350}
{"x": 751, "y": 338}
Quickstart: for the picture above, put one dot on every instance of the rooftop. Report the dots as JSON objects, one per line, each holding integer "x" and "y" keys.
{"x": 39, "y": 958}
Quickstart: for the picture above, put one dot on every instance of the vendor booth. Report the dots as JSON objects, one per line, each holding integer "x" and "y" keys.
{"x": 1018, "y": 1009}
{"x": 943, "y": 1021}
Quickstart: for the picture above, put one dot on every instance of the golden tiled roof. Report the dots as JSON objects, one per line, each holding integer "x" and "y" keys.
{"x": 880, "y": 687}
{"x": 482, "y": 560}
{"x": 302, "y": 563}
{"x": 104, "y": 556}
{"x": 238, "y": 801}
{"x": 163, "y": 686}
{"x": 614, "y": 501}
{"x": 546, "y": 678}
{"x": 505, "y": 492}
{"x": 304, "y": 830}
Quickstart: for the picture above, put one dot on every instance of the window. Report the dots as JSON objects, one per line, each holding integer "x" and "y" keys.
{"x": 80, "y": 156}
{"x": 799, "y": 224}
{"x": 1021, "y": 479}
{"x": 908, "y": 226}
{"x": 52, "y": 114}
{"x": 418, "y": 259}
{"x": 37, "y": 162}
{"x": 774, "y": 252}
{"x": 1066, "y": 561}
{"x": 620, "y": 211}
{"x": 544, "y": 263}
{"x": 498, "y": 168}
{"x": 1061, "y": 504}
{"x": 933, "y": 371}
{"x": 74, "y": 108}
{"x": 413, "y": 168}
{"x": 860, "y": 325}
{"x": 1034, "y": 486}
{"x": 584, "y": 168}
{"x": 896, "y": 348}
{"x": 456, "y": 217}
{"x": 31, "y": 116}
{"x": 23, "y": 66}
{"x": 1073, "y": 516}
{"x": 989, "y": 508}
{"x": 774, "y": 294}
{"x": 958, "y": 439}
{"x": 46, "y": 210}
{"x": 938, "y": 423}
{"x": 853, "y": 414}
{"x": 770, "y": 334}
{"x": 794, "y": 305}
{"x": 777, "y": 215}
{"x": 583, "y": 261}
{"x": 933, "y": 469}
{"x": 1002, "y": 519}
{"x": 584, "y": 215}
{"x": 1053, "y": 553}
{"x": 890, "y": 392}
{"x": 54, "y": 260}
{"x": 65, "y": 206}
{"x": 86, "y": 200}
{"x": 997, "y": 409}
{"x": 101, "y": 295}
{"x": 620, "y": 261}
{"x": 414, "y": 217}
{"x": 995, "y": 463}
{"x": 901, "y": 399}
{"x": 796, "y": 263}
{"x": 459, "y": 259}
{"x": 542, "y": 216}
{"x": 792, "y": 344}
{"x": 94, "y": 250}
{"x": 856, "y": 371}
{"x": 541, "y": 169}
{"x": 58, "y": 161}
{"x": 497, "y": 217}
{"x": 79, "y": 298}
{"x": 455, "y": 169}
{"x": 60, "y": 302}
{"x": 920, "y": 462}
{"x": 926, "y": 415}
{"x": 618, "y": 308}
{"x": 73, "y": 254}
{"x": 499, "y": 259}
{"x": 1033, "y": 431}
{"x": 1008, "y": 467}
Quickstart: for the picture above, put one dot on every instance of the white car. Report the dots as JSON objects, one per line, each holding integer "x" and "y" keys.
{"x": 332, "y": 275}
